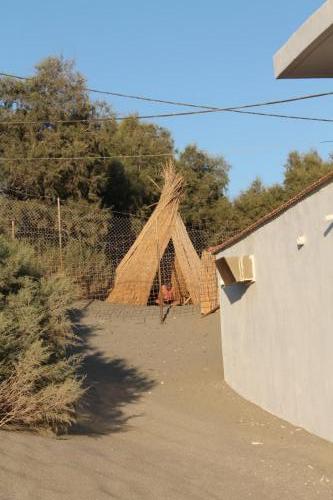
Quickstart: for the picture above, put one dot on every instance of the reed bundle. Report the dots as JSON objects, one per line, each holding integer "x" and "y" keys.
{"x": 208, "y": 284}
{"x": 187, "y": 259}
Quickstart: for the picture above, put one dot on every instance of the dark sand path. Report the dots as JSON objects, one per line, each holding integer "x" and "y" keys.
{"x": 160, "y": 424}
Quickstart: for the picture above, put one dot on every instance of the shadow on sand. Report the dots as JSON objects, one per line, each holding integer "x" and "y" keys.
{"x": 111, "y": 386}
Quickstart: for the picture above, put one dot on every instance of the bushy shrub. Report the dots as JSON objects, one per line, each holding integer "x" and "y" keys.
{"x": 39, "y": 386}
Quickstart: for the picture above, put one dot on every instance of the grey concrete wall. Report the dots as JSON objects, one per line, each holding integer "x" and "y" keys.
{"x": 277, "y": 334}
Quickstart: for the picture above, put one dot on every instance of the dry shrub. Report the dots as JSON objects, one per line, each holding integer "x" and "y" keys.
{"x": 39, "y": 386}
{"x": 25, "y": 401}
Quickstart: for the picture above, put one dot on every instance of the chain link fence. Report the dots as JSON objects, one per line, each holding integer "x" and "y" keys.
{"x": 87, "y": 244}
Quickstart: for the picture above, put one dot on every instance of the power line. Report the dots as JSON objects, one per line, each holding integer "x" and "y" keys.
{"x": 235, "y": 110}
{"x": 56, "y": 122}
{"x": 166, "y": 115}
{"x": 204, "y": 109}
{"x": 30, "y": 196}
{"x": 17, "y": 77}
{"x": 191, "y": 105}
{"x": 214, "y": 108}
{"x": 288, "y": 117}
{"x": 35, "y": 196}
{"x": 13, "y": 191}
{"x": 65, "y": 158}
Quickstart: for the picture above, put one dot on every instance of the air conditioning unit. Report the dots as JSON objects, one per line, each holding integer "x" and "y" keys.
{"x": 236, "y": 269}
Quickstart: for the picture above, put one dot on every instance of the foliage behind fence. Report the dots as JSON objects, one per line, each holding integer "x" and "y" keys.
{"x": 83, "y": 241}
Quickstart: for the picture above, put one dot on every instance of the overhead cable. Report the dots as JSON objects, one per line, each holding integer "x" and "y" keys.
{"x": 203, "y": 109}
{"x": 191, "y": 105}
{"x": 65, "y": 158}
{"x": 164, "y": 115}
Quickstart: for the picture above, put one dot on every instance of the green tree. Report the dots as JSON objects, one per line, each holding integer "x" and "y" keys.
{"x": 58, "y": 92}
{"x": 133, "y": 182}
{"x": 55, "y": 92}
{"x": 303, "y": 169}
{"x": 206, "y": 182}
{"x": 256, "y": 202}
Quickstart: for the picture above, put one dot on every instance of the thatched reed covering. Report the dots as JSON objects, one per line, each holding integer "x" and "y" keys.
{"x": 187, "y": 258}
{"x": 209, "y": 297}
{"x": 136, "y": 272}
{"x": 178, "y": 284}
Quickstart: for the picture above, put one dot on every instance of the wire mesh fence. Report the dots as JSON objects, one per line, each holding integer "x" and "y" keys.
{"x": 89, "y": 245}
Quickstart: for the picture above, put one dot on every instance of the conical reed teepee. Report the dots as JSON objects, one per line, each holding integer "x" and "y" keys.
{"x": 136, "y": 272}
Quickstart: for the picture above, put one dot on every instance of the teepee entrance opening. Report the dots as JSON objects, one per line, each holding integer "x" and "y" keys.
{"x": 172, "y": 277}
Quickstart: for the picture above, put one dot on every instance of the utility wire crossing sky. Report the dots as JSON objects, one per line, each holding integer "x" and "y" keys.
{"x": 205, "y": 108}
{"x": 213, "y": 51}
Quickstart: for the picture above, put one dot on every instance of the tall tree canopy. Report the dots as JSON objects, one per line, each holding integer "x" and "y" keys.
{"x": 255, "y": 202}
{"x": 58, "y": 92}
{"x": 55, "y": 93}
{"x": 206, "y": 179}
{"x": 303, "y": 169}
{"x": 32, "y": 112}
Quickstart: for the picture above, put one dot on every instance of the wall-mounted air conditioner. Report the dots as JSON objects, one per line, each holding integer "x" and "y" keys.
{"x": 236, "y": 269}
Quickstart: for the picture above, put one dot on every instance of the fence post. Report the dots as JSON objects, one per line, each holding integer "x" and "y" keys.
{"x": 13, "y": 229}
{"x": 60, "y": 236}
{"x": 160, "y": 296}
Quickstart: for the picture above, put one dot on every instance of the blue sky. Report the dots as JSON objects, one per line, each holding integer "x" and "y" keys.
{"x": 215, "y": 52}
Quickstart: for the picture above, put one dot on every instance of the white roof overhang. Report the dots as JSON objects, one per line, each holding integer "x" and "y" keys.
{"x": 309, "y": 51}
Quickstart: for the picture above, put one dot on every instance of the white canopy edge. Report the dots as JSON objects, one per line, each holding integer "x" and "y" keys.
{"x": 308, "y": 52}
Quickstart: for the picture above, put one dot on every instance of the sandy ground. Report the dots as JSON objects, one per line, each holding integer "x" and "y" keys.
{"x": 159, "y": 423}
